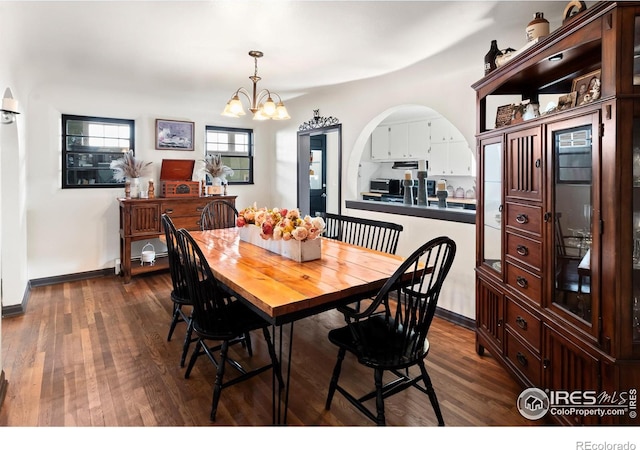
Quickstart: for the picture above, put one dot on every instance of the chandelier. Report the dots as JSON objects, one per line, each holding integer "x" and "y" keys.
{"x": 260, "y": 103}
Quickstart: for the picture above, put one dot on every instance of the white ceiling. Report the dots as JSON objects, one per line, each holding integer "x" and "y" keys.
{"x": 200, "y": 46}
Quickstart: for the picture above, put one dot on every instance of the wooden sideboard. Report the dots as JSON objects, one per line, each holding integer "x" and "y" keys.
{"x": 140, "y": 220}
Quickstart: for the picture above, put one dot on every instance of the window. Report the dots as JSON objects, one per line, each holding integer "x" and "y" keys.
{"x": 89, "y": 144}
{"x": 235, "y": 145}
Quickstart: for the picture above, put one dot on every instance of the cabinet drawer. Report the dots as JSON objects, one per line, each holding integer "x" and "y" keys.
{"x": 527, "y": 251}
{"x": 524, "y": 218}
{"x": 523, "y": 359}
{"x": 190, "y": 223}
{"x": 526, "y": 283}
{"x": 523, "y": 324}
{"x": 183, "y": 208}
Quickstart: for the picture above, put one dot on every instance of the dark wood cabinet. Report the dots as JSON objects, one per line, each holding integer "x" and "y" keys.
{"x": 558, "y": 215}
{"x": 140, "y": 219}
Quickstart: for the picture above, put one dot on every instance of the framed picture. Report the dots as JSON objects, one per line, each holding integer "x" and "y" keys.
{"x": 504, "y": 115}
{"x": 174, "y": 135}
{"x": 587, "y": 88}
{"x": 566, "y": 101}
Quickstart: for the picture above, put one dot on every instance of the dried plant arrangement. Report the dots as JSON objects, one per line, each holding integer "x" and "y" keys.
{"x": 213, "y": 166}
{"x": 129, "y": 167}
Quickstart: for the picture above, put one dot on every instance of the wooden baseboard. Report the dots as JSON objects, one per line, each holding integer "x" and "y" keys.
{"x": 3, "y": 388}
{"x": 21, "y": 308}
{"x": 71, "y": 277}
{"x": 456, "y": 318}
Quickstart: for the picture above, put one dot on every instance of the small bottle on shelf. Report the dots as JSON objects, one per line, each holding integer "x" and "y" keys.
{"x": 490, "y": 58}
{"x": 538, "y": 27}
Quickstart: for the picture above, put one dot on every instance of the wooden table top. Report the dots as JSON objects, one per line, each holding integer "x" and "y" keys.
{"x": 284, "y": 290}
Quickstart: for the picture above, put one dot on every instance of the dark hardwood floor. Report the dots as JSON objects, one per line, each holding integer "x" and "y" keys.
{"x": 94, "y": 353}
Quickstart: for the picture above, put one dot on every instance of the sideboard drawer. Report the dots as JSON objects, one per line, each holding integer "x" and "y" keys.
{"x": 526, "y": 283}
{"x": 527, "y": 251}
{"x": 524, "y": 218}
{"x": 184, "y": 208}
{"x": 523, "y": 359}
{"x": 524, "y": 324}
{"x": 191, "y": 223}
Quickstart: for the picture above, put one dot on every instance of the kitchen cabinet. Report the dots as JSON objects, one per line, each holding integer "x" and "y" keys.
{"x": 400, "y": 141}
{"x": 380, "y": 143}
{"x": 140, "y": 219}
{"x": 448, "y": 153}
{"x": 450, "y": 158}
{"x": 558, "y": 217}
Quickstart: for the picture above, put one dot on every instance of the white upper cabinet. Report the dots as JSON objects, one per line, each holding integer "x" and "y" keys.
{"x": 400, "y": 141}
{"x": 449, "y": 153}
{"x": 419, "y": 139}
{"x": 380, "y": 143}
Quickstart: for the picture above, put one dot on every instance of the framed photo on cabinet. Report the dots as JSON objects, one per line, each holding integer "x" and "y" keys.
{"x": 174, "y": 135}
{"x": 566, "y": 101}
{"x": 587, "y": 88}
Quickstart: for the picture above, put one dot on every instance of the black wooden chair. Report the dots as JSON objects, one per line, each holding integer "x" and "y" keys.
{"x": 180, "y": 292}
{"x": 217, "y": 214}
{"x": 373, "y": 234}
{"x": 395, "y": 339}
{"x": 221, "y": 322}
{"x": 369, "y": 233}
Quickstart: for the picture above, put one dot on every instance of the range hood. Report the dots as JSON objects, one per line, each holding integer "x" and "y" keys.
{"x": 405, "y": 165}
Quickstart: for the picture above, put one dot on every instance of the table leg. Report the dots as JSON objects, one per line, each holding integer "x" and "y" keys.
{"x": 280, "y": 405}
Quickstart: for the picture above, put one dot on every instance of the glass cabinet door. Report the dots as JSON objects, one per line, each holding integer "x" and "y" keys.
{"x": 635, "y": 303}
{"x": 492, "y": 205}
{"x": 572, "y": 221}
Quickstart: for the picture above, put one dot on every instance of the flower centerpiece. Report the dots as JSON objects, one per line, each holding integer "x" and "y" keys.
{"x": 131, "y": 169}
{"x": 218, "y": 171}
{"x": 282, "y": 231}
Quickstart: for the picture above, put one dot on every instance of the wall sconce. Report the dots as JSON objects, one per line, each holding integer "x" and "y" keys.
{"x": 9, "y": 108}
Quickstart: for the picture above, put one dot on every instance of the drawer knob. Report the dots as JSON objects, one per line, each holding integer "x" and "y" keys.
{"x": 522, "y": 359}
{"x": 199, "y": 208}
{"x": 522, "y": 282}
{"x": 522, "y": 218}
{"x": 168, "y": 211}
{"x": 521, "y": 322}
{"x": 522, "y": 250}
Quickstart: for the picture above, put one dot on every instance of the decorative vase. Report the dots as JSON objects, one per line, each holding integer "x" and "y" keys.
{"x": 299, "y": 251}
{"x": 135, "y": 187}
{"x": 537, "y": 28}
{"x": 215, "y": 188}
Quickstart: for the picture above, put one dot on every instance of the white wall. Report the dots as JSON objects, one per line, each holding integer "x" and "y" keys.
{"x": 76, "y": 230}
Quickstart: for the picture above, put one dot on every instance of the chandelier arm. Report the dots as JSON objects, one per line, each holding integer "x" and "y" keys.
{"x": 244, "y": 92}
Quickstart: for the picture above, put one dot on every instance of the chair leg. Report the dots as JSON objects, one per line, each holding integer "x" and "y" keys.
{"x": 377, "y": 377}
{"x": 432, "y": 394}
{"x": 217, "y": 385}
{"x": 187, "y": 343}
{"x": 174, "y": 320}
{"x": 196, "y": 352}
{"x": 247, "y": 343}
{"x": 272, "y": 354}
{"x": 334, "y": 378}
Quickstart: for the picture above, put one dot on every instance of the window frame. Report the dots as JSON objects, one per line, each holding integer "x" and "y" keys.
{"x": 249, "y": 155}
{"x": 67, "y": 151}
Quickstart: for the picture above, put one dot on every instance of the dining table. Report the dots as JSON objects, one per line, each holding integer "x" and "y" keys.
{"x": 282, "y": 290}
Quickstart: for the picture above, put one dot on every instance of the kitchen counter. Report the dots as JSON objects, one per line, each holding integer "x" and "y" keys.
{"x": 458, "y": 214}
{"x": 467, "y": 203}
